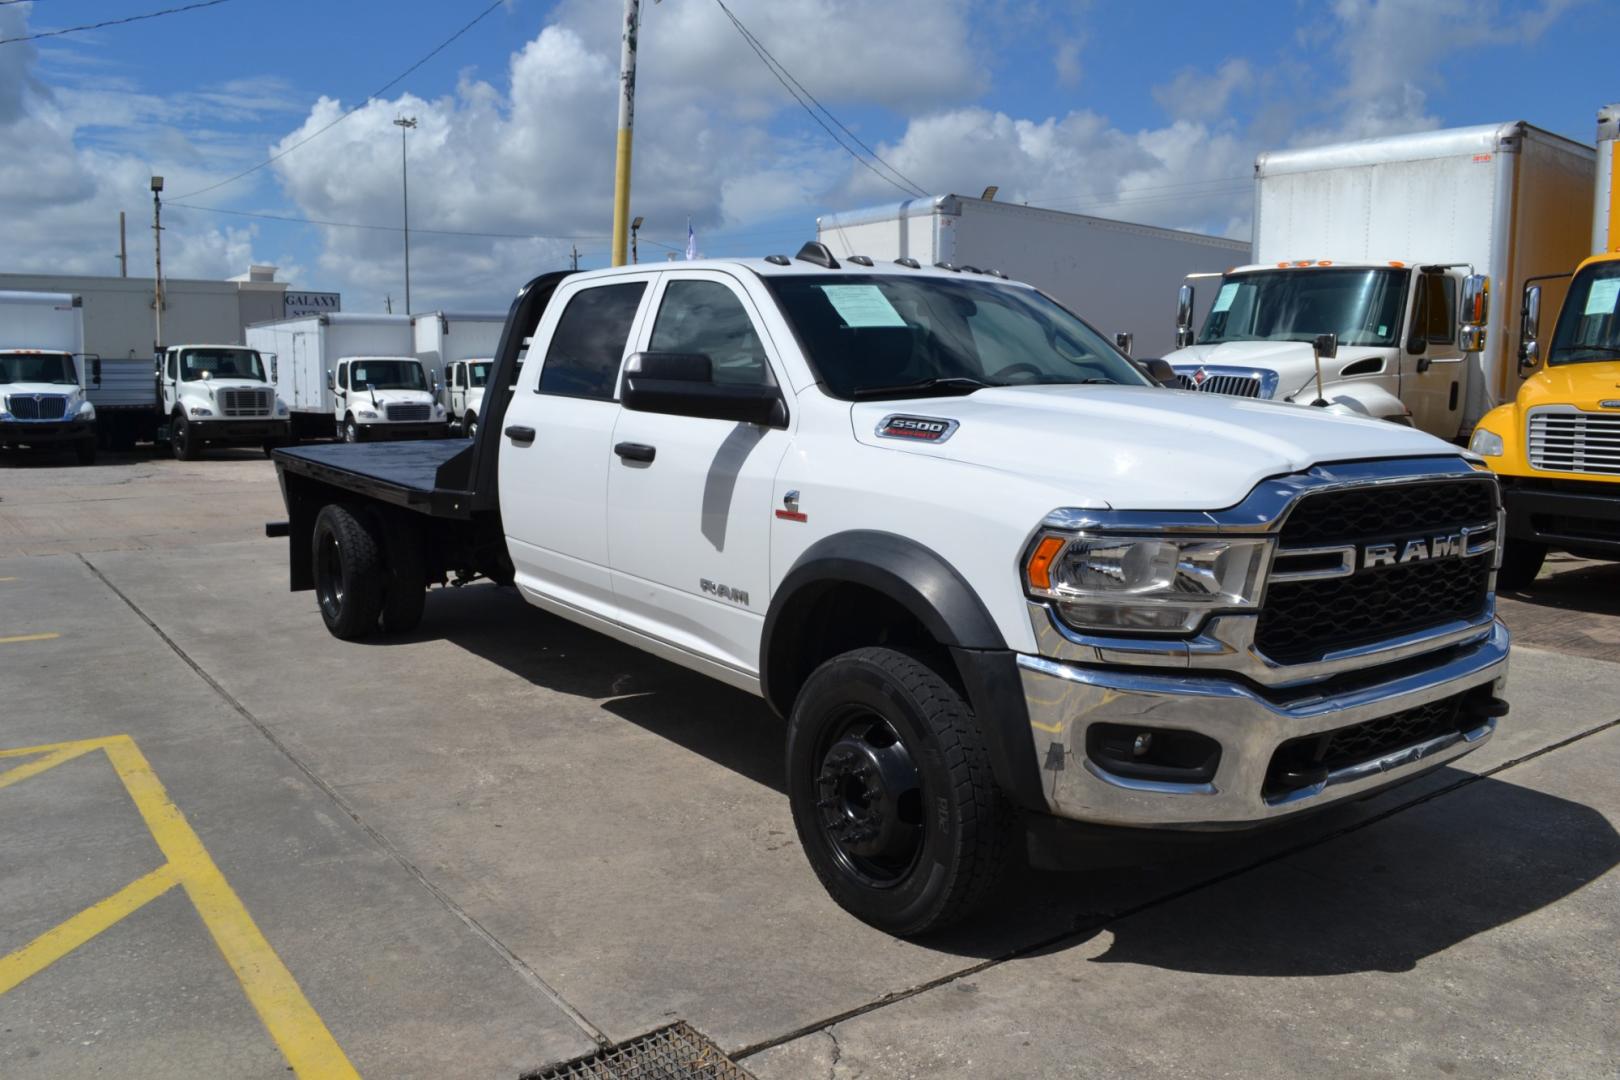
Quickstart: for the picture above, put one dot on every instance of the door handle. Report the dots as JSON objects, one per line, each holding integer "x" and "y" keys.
{"x": 634, "y": 451}
{"x": 519, "y": 433}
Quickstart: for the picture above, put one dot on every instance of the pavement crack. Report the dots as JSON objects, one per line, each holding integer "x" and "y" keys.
{"x": 519, "y": 966}
{"x": 837, "y": 1055}
{"x": 1088, "y": 925}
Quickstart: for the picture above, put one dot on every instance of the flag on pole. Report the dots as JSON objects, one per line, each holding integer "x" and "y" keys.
{"x": 691, "y": 241}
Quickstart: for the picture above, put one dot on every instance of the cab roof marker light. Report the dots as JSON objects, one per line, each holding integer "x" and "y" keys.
{"x": 908, "y": 262}
{"x": 1397, "y": 264}
{"x": 1324, "y": 262}
{"x": 778, "y": 260}
{"x": 861, "y": 260}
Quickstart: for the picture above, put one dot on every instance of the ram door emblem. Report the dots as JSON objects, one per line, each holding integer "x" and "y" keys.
{"x": 723, "y": 592}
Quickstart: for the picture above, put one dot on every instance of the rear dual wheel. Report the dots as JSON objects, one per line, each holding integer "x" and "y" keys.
{"x": 363, "y": 578}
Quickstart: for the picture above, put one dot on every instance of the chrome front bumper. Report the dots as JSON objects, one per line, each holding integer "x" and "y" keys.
{"x": 1065, "y": 699}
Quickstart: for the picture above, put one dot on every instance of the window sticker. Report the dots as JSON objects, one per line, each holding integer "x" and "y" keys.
{"x": 1224, "y": 299}
{"x": 1600, "y": 301}
{"x": 862, "y": 305}
{"x": 1382, "y": 329}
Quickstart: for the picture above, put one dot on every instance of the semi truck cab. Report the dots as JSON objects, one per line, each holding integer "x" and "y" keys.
{"x": 464, "y": 382}
{"x": 385, "y": 397}
{"x": 1401, "y": 347}
{"x": 218, "y": 395}
{"x": 44, "y": 400}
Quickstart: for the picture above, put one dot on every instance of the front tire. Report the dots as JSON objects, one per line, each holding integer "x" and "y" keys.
{"x": 350, "y": 580}
{"x": 892, "y": 792}
{"x": 86, "y": 451}
{"x": 182, "y": 440}
{"x": 1521, "y": 562}
{"x": 351, "y": 430}
{"x": 469, "y": 425}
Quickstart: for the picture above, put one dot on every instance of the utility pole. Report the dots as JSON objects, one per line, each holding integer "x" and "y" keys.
{"x": 157, "y": 278}
{"x": 627, "y": 118}
{"x": 123, "y": 249}
{"x": 389, "y": 300}
{"x": 575, "y": 250}
{"x": 405, "y": 124}
{"x": 635, "y": 227}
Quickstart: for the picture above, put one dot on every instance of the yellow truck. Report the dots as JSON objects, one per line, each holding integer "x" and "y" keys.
{"x": 1556, "y": 447}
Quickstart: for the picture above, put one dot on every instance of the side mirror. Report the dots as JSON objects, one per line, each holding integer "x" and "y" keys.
{"x": 1530, "y": 329}
{"x": 1326, "y": 346}
{"x": 434, "y": 383}
{"x": 95, "y": 370}
{"x": 682, "y": 384}
{"x": 1122, "y": 341}
{"x": 1476, "y": 309}
{"x": 1160, "y": 372}
{"x": 1184, "y": 317}
{"x": 1416, "y": 343}
{"x": 331, "y": 384}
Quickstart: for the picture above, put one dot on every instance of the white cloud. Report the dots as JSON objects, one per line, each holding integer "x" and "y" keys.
{"x": 1192, "y": 95}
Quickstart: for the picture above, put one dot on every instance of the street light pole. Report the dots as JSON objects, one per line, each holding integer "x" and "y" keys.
{"x": 157, "y": 277}
{"x": 635, "y": 227}
{"x": 405, "y": 124}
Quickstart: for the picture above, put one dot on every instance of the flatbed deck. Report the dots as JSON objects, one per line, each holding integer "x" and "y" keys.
{"x": 407, "y": 473}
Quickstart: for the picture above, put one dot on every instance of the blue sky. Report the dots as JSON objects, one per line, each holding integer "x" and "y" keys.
{"x": 1143, "y": 112}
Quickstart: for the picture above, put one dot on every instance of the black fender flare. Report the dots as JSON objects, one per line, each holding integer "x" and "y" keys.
{"x": 929, "y": 588}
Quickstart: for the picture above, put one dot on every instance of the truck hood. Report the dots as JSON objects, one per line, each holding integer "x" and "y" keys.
{"x": 362, "y": 397}
{"x": 44, "y": 389}
{"x": 1293, "y": 361}
{"x": 1583, "y": 385}
{"x": 1140, "y": 448}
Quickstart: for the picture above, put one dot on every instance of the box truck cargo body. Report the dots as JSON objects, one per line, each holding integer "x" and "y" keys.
{"x": 303, "y": 351}
{"x": 45, "y": 377}
{"x": 442, "y": 337}
{"x": 1113, "y": 274}
{"x": 1371, "y": 240}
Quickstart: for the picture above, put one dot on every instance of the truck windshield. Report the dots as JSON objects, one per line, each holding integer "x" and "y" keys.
{"x": 220, "y": 364}
{"x": 478, "y": 374}
{"x": 387, "y": 375}
{"x": 871, "y": 336}
{"x": 1363, "y": 307}
{"x": 54, "y": 368}
{"x": 1588, "y": 327}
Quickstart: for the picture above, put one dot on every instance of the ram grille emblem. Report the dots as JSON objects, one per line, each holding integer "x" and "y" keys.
{"x": 1453, "y": 545}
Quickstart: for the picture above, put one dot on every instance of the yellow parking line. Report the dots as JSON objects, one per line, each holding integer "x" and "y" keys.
{"x": 50, "y": 760}
{"x": 27, "y": 637}
{"x": 58, "y": 941}
{"x": 7, "y": 579}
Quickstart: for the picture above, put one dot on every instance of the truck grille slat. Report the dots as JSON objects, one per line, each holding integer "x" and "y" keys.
{"x": 1233, "y": 385}
{"x": 408, "y": 412}
{"x": 39, "y": 407}
{"x": 1302, "y": 621}
{"x": 247, "y": 403}
{"x": 1563, "y": 439}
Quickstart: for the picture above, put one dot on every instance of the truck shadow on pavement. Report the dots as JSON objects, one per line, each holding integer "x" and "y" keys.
{"x": 1574, "y": 585}
{"x": 1374, "y": 886}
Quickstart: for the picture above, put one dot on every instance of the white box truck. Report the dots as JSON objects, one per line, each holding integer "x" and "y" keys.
{"x": 1372, "y": 242}
{"x": 1101, "y": 269}
{"x": 45, "y": 376}
{"x": 456, "y": 348}
{"x": 350, "y": 375}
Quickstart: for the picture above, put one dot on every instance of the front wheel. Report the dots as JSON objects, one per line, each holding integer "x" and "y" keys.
{"x": 182, "y": 440}
{"x": 469, "y": 425}
{"x": 892, "y": 792}
{"x": 351, "y": 430}
{"x": 86, "y": 451}
{"x": 350, "y": 580}
{"x": 1521, "y": 562}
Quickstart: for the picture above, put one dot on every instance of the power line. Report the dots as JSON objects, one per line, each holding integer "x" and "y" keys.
{"x": 111, "y": 22}
{"x": 772, "y": 65}
{"x": 384, "y": 88}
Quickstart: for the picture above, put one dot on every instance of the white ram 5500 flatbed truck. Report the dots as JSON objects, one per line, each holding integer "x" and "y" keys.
{"x": 990, "y": 572}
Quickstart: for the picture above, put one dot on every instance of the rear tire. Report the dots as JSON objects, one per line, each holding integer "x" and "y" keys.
{"x": 1521, "y": 562}
{"x": 350, "y": 580}
{"x": 892, "y": 792}
{"x": 407, "y": 580}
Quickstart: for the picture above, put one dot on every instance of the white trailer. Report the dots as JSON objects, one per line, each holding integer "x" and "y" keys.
{"x": 45, "y": 377}
{"x": 1372, "y": 241}
{"x": 304, "y": 355}
{"x": 1111, "y": 273}
{"x": 457, "y": 349}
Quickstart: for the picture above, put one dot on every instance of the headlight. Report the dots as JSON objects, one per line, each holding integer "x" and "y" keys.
{"x": 1145, "y": 583}
{"x": 1486, "y": 443}
{"x": 201, "y": 410}
{"x": 366, "y": 414}
{"x": 281, "y": 408}
{"x": 438, "y": 410}
{"x": 87, "y": 411}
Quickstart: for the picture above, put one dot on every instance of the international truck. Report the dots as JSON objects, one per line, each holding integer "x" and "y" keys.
{"x": 456, "y": 348}
{"x": 45, "y": 377}
{"x": 1556, "y": 446}
{"x": 351, "y": 376}
{"x": 1000, "y": 584}
{"x": 1100, "y": 268}
{"x": 1374, "y": 243}
{"x": 218, "y": 395}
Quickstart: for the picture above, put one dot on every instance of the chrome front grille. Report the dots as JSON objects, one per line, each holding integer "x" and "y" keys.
{"x": 1303, "y": 620}
{"x": 242, "y": 403}
{"x": 1568, "y": 440}
{"x": 408, "y": 412}
{"x": 38, "y": 406}
{"x": 1234, "y": 385}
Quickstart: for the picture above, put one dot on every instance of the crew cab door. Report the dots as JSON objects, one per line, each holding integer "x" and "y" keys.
{"x": 455, "y": 380}
{"x": 557, "y": 443}
{"x": 340, "y": 392}
{"x": 690, "y": 498}
{"x": 1432, "y": 381}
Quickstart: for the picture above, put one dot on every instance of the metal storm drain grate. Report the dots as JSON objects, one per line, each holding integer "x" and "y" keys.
{"x": 676, "y": 1052}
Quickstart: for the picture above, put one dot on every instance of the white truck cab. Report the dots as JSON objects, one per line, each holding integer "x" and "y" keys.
{"x": 464, "y": 382}
{"x": 218, "y": 395}
{"x": 45, "y": 376}
{"x": 385, "y": 397}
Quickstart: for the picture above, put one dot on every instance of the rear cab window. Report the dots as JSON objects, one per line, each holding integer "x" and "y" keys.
{"x": 587, "y": 346}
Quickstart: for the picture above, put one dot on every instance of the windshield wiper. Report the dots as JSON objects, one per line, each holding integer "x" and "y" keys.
{"x": 951, "y": 384}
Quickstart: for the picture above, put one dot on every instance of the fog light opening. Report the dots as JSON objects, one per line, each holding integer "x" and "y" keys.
{"x": 1164, "y": 755}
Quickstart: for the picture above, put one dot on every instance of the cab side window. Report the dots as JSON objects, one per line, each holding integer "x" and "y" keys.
{"x": 343, "y": 376}
{"x": 706, "y": 317}
{"x": 588, "y": 343}
{"x": 1436, "y": 319}
{"x": 172, "y": 360}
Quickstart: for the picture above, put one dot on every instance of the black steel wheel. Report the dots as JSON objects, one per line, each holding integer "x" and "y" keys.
{"x": 182, "y": 440}
{"x": 350, "y": 579}
{"x": 892, "y": 791}
{"x": 351, "y": 430}
{"x": 469, "y": 425}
